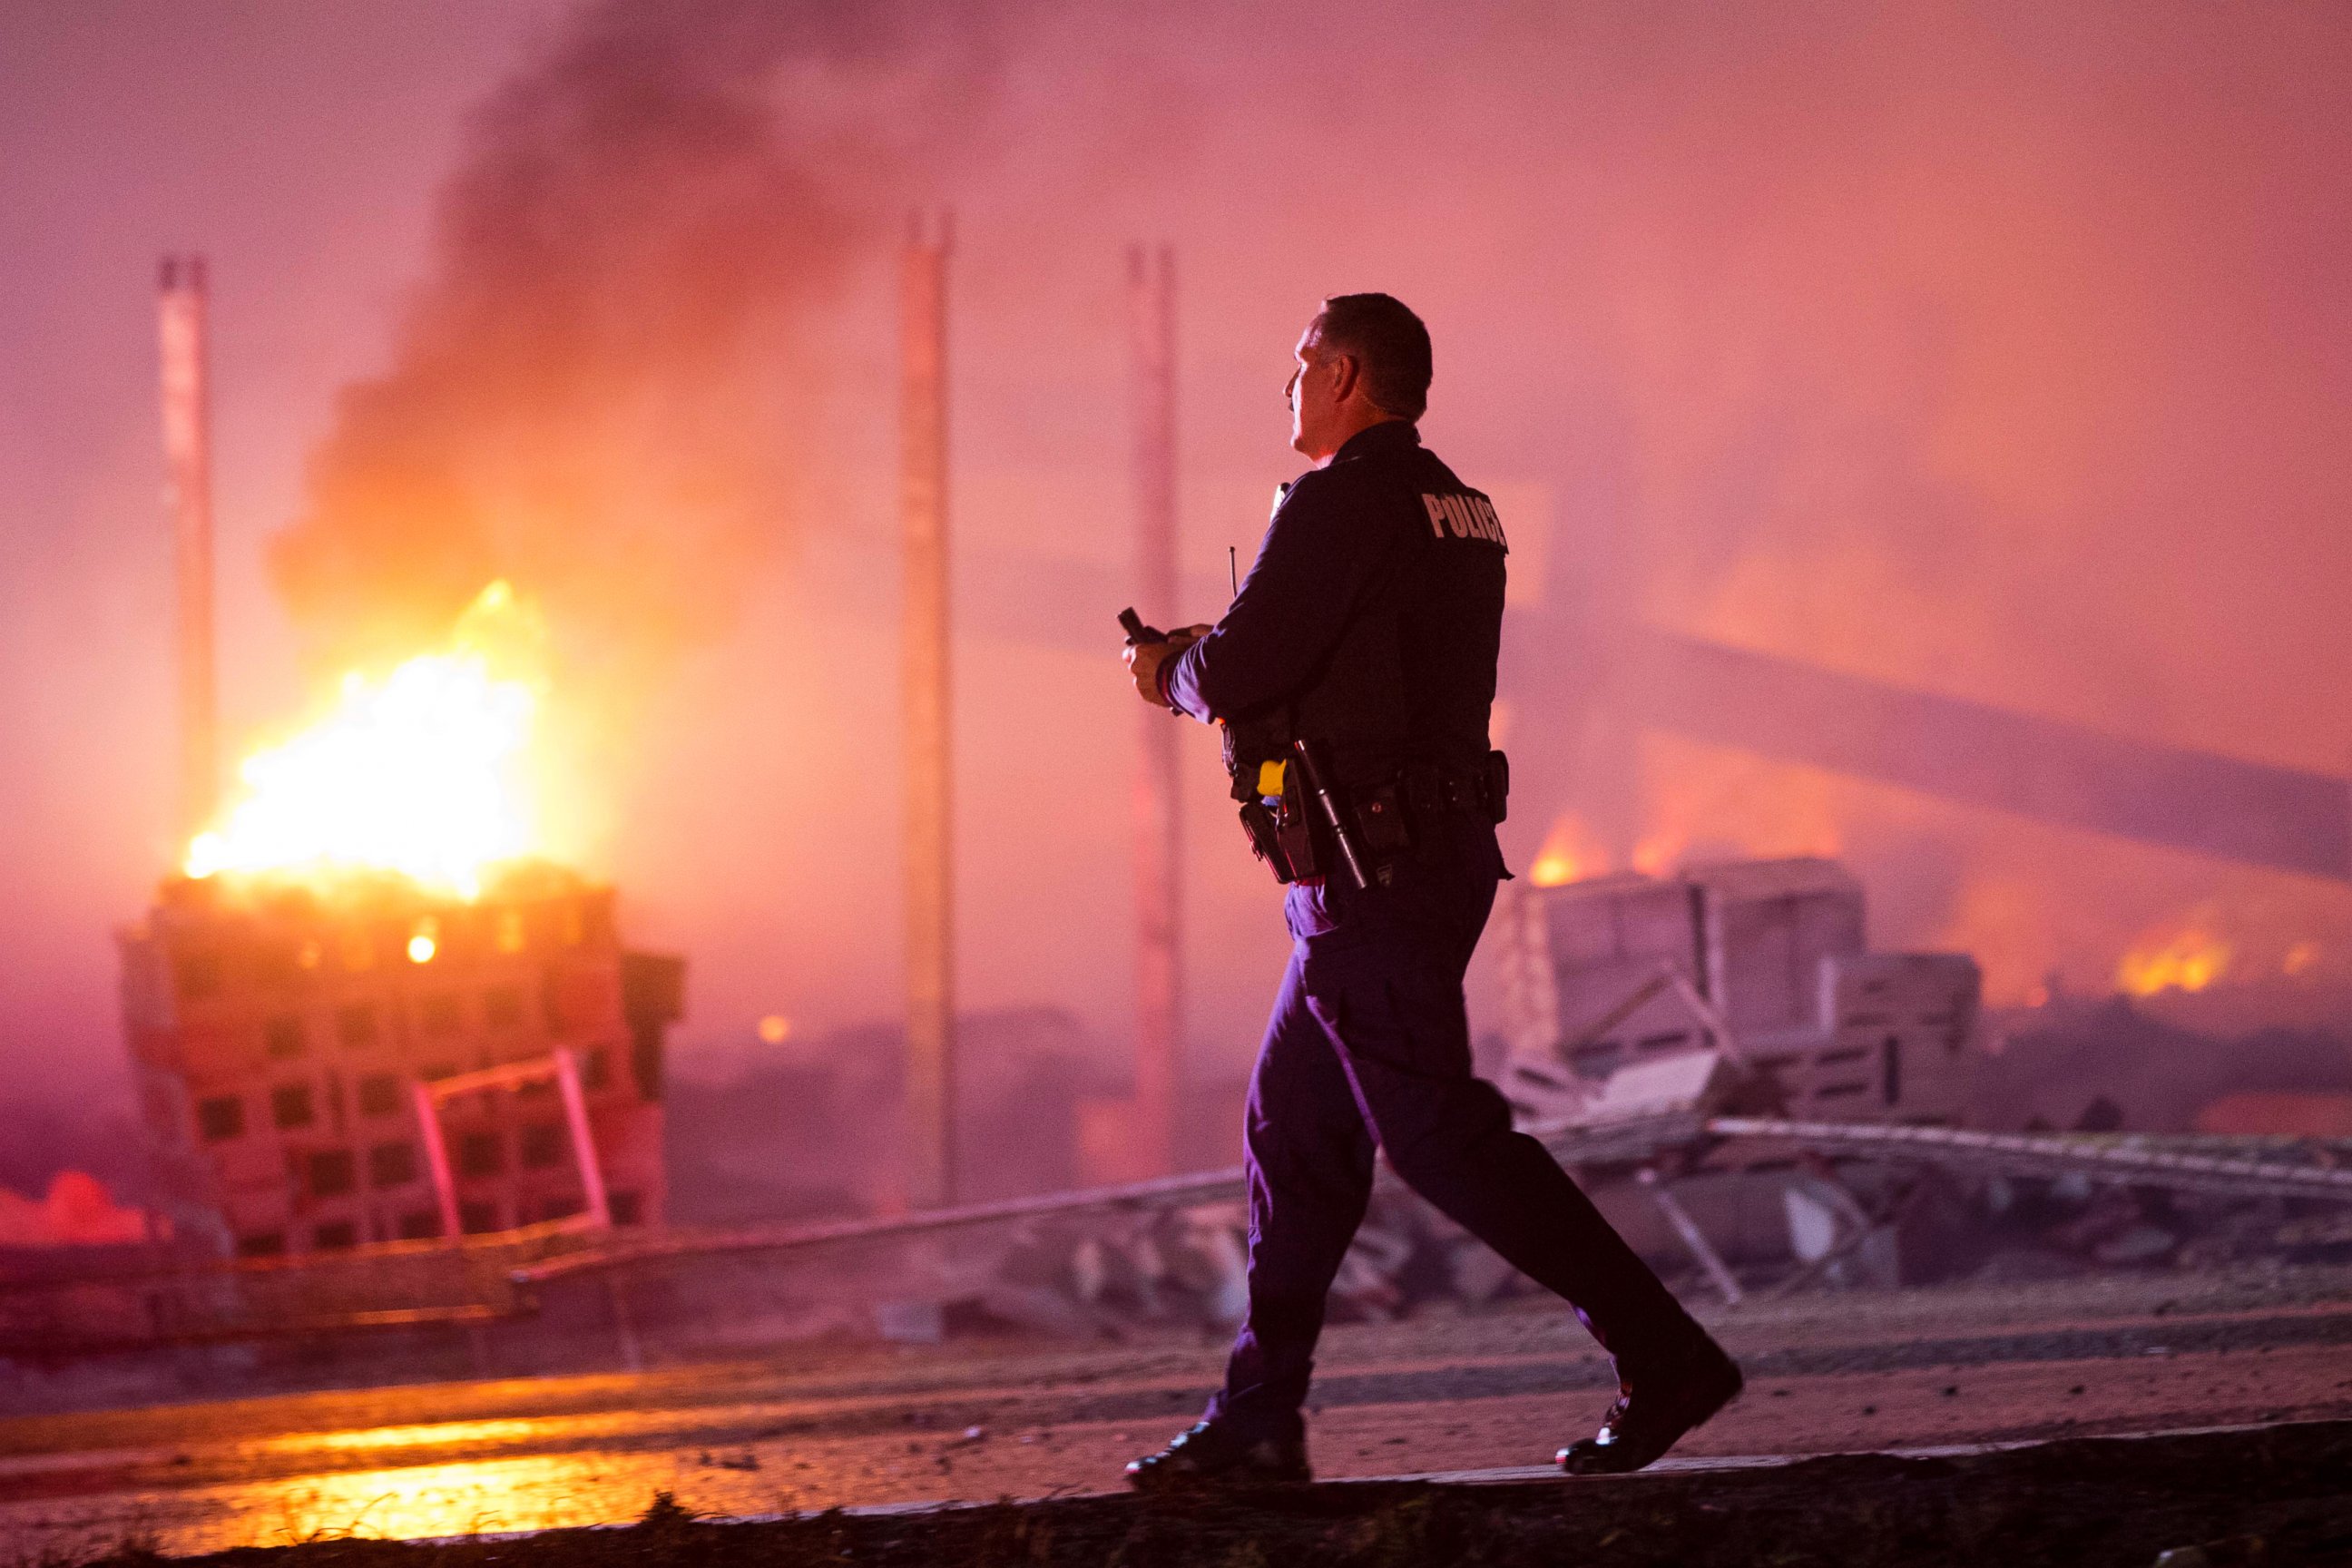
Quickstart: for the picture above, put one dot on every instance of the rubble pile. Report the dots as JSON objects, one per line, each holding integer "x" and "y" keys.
{"x": 1849, "y": 1226}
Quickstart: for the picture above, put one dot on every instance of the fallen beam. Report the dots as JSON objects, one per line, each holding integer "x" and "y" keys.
{"x": 2177, "y": 1163}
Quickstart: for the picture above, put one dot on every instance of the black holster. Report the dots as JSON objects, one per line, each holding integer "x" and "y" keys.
{"x": 1265, "y": 830}
{"x": 1286, "y": 835}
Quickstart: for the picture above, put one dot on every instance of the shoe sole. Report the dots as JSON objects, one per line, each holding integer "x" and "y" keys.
{"x": 1567, "y": 1459}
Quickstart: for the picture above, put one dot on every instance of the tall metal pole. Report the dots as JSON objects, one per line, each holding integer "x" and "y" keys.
{"x": 1151, "y": 314}
{"x": 188, "y": 501}
{"x": 930, "y": 883}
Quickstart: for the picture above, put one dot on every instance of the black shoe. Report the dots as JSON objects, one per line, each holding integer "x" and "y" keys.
{"x": 1210, "y": 1454}
{"x": 1650, "y": 1415}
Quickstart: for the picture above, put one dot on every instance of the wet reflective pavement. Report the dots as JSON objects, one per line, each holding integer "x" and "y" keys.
{"x": 804, "y": 1429}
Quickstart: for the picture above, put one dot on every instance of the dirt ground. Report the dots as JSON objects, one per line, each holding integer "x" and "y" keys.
{"x": 811, "y": 1428}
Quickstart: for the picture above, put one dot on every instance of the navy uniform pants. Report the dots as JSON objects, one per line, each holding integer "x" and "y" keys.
{"x": 1369, "y": 1049}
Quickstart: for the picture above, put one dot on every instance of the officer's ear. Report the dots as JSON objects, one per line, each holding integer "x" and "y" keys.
{"x": 1347, "y": 374}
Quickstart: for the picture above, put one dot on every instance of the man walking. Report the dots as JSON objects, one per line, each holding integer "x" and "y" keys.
{"x": 1353, "y": 675}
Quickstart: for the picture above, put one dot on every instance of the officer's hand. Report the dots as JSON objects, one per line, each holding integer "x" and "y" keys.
{"x": 1144, "y": 660}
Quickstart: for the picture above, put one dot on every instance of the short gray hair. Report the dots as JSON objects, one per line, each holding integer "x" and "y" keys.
{"x": 1391, "y": 343}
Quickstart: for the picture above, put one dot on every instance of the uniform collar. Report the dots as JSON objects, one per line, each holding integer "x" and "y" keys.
{"x": 1388, "y": 436}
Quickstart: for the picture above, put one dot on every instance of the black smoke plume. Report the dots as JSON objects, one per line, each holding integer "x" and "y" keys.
{"x": 591, "y": 393}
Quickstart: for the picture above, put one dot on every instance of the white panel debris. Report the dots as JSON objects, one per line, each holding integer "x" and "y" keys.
{"x": 1764, "y": 961}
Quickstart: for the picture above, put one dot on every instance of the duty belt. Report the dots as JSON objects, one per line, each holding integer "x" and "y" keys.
{"x": 1383, "y": 820}
{"x": 1432, "y": 789}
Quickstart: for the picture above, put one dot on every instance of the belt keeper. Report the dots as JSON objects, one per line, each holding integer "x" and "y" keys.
{"x": 1423, "y": 792}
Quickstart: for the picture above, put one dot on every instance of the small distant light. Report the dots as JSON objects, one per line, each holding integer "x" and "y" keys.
{"x": 422, "y": 945}
{"x": 775, "y": 1030}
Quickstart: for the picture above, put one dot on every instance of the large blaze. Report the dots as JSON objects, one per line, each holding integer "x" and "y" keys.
{"x": 428, "y": 771}
{"x": 396, "y": 899}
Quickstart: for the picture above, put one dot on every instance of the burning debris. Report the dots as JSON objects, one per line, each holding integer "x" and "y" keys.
{"x": 426, "y": 773}
{"x": 1569, "y": 854}
{"x": 374, "y": 1010}
{"x": 286, "y": 1041}
{"x": 2189, "y": 959}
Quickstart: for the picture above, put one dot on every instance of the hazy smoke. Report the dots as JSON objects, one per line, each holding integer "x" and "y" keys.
{"x": 1997, "y": 353}
{"x": 1950, "y": 371}
{"x": 592, "y": 393}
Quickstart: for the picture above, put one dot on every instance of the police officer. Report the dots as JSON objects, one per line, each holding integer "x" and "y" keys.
{"x": 1368, "y": 627}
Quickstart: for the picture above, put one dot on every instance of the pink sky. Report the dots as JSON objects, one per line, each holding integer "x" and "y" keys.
{"x": 1997, "y": 349}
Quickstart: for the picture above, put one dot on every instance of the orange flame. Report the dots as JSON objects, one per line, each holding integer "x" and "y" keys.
{"x": 1568, "y": 852}
{"x": 426, "y": 773}
{"x": 1658, "y": 853}
{"x": 2190, "y": 960}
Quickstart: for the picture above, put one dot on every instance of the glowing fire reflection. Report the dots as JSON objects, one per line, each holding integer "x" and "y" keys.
{"x": 426, "y": 771}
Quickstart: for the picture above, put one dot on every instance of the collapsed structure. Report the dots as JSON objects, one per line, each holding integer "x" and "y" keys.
{"x": 369, "y": 1014}
{"x": 323, "y": 1069}
{"x": 1764, "y": 963}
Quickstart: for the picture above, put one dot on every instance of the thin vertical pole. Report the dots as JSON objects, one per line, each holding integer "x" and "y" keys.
{"x": 436, "y": 1159}
{"x": 584, "y": 1138}
{"x": 931, "y": 884}
{"x": 188, "y": 502}
{"x": 1151, "y": 314}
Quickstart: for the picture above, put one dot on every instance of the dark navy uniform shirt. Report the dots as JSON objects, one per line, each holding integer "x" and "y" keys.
{"x": 1374, "y": 609}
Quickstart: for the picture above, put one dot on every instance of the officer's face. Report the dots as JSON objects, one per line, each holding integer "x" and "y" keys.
{"x": 1311, "y": 403}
